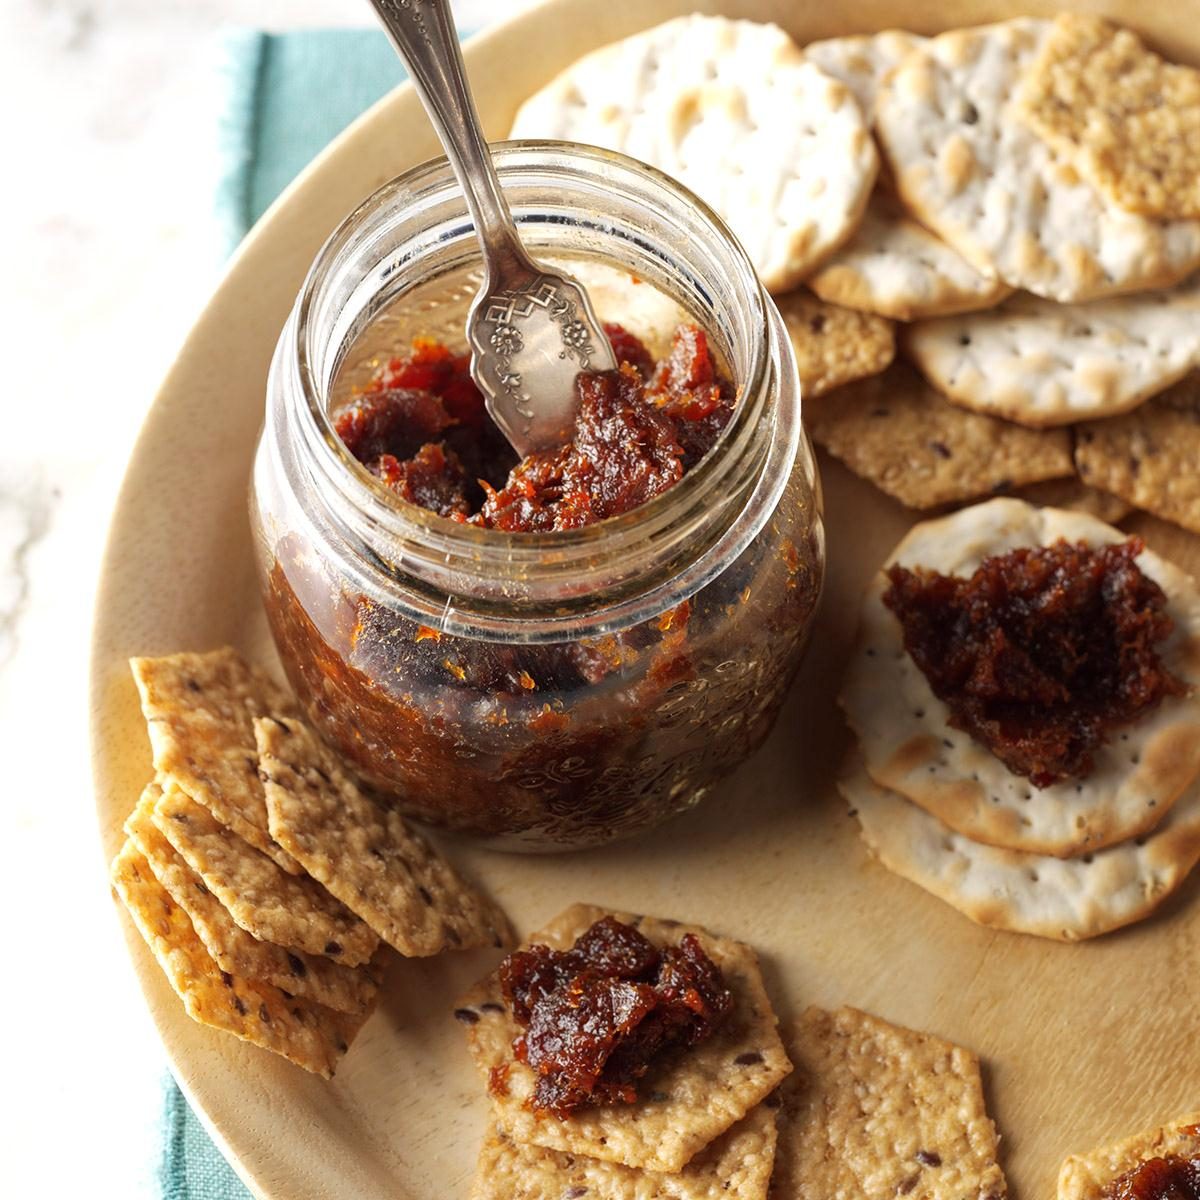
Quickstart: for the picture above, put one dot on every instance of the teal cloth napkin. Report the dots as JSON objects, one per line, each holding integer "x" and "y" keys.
{"x": 287, "y": 96}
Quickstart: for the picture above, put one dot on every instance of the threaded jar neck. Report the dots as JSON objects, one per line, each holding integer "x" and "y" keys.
{"x": 586, "y": 204}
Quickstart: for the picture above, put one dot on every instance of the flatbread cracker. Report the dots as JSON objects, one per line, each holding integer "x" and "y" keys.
{"x": 289, "y": 910}
{"x": 970, "y": 170}
{"x": 892, "y": 265}
{"x": 1065, "y": 899}
{"x": 895, "y": 267}
{"x": 736, "y": 1166}
{"x": 1049, "y": 364}
{"x": 1076, "y": 495}
{"x": 1127, "y": 120}
{"x": 834, "y": 345}
{"x": 1084, "y": 1176}
{"x": 347, "y": 989}
{"x": 685, "y": 1104}
{"x": 199, "y": 710}
{"x": 863, "y": 61}
{"x": 876, "y": 1111}
{"x": 367, "y": 856}
{"x": 307, "y": 1034}
{"x": 902, "y": 435}
{"x": 733, "y": 111}
{"x": 909, "y": 747}
{"x": 1151, "y": 456}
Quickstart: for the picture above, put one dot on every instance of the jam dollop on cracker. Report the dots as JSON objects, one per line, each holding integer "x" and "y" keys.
{"x": 1043, "y": 652}
{"x": 1172, "y": 1177}
{"x": 596, "y": 1017}
{"x": 420, "y": 426}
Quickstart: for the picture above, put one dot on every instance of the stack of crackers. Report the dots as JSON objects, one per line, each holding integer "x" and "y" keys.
{"x": 870, "y": 1110}
{"x": 264, "y": 881}
{"x": 1073, "y": 860}
{"x": 1027, "y": 208}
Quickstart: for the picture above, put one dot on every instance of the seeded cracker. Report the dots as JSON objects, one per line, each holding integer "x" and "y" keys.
{"x": 909, "y": 747}
{"x": 834, "y": 345}
{"x": 366, "y": 855}
{"x": 199, "y": 710}
{"x": 288, "y": 910}
{"x": 347, "y": 989}
{"x": 736, "y": 1166}
{"x": 311, "y": 1036}
{"x": 1151, "y": 456}
{"x": 684, "y": 1104}
{"x": 1129, "y": 121}
{"x": 898, "y": 432}
{"x": 733, "y": 111}
{"x": 1067, "y": 899}
{"x": 892, "y": 265}
{"x": 1084, "y": 1176}
{"x": 969, "y": 169}
{"x": 1078, "y": 496}
{"x": 1048, "y": 364}
{"x": 876, "y": 1111}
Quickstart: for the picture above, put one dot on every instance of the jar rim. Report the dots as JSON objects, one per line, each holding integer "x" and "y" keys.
{"x": 425, "y": 534}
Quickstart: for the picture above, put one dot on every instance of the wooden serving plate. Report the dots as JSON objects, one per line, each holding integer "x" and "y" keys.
{"x": 1081, "y": 1043}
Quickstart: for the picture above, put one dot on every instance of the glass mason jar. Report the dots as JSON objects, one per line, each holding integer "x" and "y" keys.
{"x": 541, "y": 690}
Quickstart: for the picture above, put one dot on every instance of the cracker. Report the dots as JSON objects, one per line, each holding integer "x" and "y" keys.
{"x": 862, "y": 62}
{"x": 289, "y": 910}
{"x": 1127, "y": 120}
{"x": 876, "y": 1111}
{"x": 899, "y": 433}
{"x": 967, "y": 168}
{"x": 1078, "y": 496}
{"x": 834, "y": 345}
{"x": 311, "y": 1036}
{"x": 1151, "y": 456}
{"x": 897, "y": 268}
{"x": 347, "y": 989}
{"x": 733, "y": 111}
{"x": 892, "y": 265}
{"x": 685, "y": 1103}
{"x": 909, "y": 747}
{"x": 199, "y": 710}
{"x": 367, "y": 855}
{"x": 736, "y": 1166}
{"x": 1048, "y": 364}
{"x": 1084, "y": 1176}
{"x": 1067, "y": 899}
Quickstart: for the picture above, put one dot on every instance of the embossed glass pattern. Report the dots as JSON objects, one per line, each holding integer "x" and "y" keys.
{"x": 548, "y": 690}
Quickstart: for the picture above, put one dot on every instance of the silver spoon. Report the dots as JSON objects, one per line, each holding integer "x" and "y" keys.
{"x": 531, "y": 330}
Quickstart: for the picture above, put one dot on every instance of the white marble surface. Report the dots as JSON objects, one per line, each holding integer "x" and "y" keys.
{"x": 109, "y": 252}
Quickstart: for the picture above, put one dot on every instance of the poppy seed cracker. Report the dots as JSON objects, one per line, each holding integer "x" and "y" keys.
{"x": 311, "y": 1036}
{"x": 1085, "y": 1176}
{"x": 199, "y": 710}
{"x": 686, "y": 1102}
{"x": 876, "y": 1111}
{"x": 347, "y": 989}
{"x": 735, "y": 1166}
{"x": 367, "y": 855}
{"x": 265, "y": 901}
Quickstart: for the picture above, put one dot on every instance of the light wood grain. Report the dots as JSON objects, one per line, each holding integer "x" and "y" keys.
{"x": 1081, "y": 1043}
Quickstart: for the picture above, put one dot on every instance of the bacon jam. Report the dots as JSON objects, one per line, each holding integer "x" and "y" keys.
{"x": 1042, "y": 653}
{"x": 538, "y": 744}
{"x": 420, "y": 426}
{"x": 596, "y": 1018}
{"x": 1172, "y": 1177}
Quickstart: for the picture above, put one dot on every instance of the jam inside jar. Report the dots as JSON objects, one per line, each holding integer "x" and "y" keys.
{"x": 554, "y": 689}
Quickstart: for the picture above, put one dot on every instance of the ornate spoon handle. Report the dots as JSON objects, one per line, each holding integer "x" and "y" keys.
{"x": 423, "y": 33}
